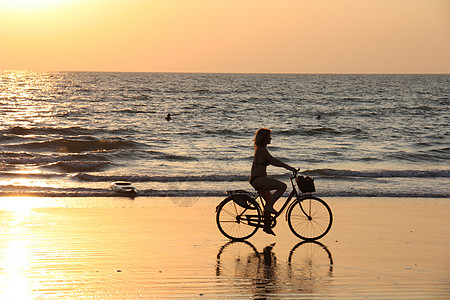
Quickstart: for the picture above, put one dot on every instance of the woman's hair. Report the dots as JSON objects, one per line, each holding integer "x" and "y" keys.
{"x": 261, "y": 137}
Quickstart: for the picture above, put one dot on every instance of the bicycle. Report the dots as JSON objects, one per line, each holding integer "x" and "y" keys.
{"x": 240, "y": 215}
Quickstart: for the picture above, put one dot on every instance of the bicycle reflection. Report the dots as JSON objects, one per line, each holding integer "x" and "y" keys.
{"x": 309, "y": 267}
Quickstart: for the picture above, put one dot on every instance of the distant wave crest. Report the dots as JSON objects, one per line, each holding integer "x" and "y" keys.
{"x": 143, "y": 178}
{"x": 233, "y": 178}
{"x": 78, "y": 166}
{"x": 379, "y": 173}
{"x": 73, "y": 166}
{"x": 77, "y": 145}
{"x": 106, "y": 192}
{"x": 72, "y": 131}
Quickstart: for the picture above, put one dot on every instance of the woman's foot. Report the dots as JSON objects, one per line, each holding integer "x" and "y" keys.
{"x": 269, "y": 231}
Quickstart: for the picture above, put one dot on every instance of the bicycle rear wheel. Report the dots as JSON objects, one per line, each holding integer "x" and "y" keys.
{"x": 237, "y": 222}
{"x": 310, "y": 218}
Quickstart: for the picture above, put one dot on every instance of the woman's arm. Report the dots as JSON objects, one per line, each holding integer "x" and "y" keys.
{"x": 273, "y": 161}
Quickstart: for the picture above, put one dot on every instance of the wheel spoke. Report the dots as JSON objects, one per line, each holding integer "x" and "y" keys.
{"x": 310, "y": 219}
{"x": 231, "y": 220}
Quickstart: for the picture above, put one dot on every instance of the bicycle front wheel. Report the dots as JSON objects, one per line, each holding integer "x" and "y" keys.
{"x": 236, "y": 222}
{"x": 310, "y": 218}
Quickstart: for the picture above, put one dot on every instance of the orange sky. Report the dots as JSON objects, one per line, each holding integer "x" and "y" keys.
{"x": 276, "y": 36}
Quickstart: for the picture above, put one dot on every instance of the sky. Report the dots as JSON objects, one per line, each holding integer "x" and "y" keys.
{"x": 226, "y": 36}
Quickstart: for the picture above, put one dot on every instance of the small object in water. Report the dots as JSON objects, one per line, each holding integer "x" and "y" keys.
{"x": 124, "y": 187}
{"x": 168, "y": 117}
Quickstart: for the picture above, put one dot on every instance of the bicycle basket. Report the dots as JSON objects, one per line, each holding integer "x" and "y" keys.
{"x": 306, "y": 184}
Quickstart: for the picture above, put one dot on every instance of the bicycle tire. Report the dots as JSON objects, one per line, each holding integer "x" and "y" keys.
{"x": 309, "y": 218}
{"x": 231, "y": 219}
{"x": 310, "y": 265}
{"x": 237, "y": 259}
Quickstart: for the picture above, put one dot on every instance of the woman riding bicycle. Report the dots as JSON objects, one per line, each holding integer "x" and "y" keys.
{"x": 258, "y": 175}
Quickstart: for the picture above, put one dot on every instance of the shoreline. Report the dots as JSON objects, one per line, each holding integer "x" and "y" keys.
{"x": 106, "y": 193}
{"x": 117, "y": 248}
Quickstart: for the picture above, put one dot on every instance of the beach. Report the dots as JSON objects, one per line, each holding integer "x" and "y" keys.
{"x": 170, "y": 248}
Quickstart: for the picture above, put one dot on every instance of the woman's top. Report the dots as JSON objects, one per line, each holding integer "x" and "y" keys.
{"x": 261, "y": 160}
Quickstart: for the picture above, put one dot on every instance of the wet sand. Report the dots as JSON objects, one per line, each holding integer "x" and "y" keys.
{"x": 150, "y": 248}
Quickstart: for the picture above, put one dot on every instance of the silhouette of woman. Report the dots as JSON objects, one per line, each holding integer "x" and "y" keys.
{"x": 258, "y": 175}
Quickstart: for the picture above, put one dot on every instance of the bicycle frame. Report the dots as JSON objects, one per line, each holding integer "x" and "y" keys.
{"x": 287, "y": 202}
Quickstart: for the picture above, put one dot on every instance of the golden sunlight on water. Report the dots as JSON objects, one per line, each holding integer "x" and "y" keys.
{"x": 21, "y": 207}
{"x": 28, "y": 182}
{"x": 29, "y": 250}
{"x": 15, "y": 256}
{"x": 16, "y": 261}
{"x": 24, "y": 89}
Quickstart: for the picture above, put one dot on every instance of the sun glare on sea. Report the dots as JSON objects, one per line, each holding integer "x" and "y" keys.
{"x": 23, "y": 206}
{"x": 15, "y": 253}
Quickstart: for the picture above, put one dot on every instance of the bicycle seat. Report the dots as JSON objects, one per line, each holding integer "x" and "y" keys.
{"x": 242, "y": 198}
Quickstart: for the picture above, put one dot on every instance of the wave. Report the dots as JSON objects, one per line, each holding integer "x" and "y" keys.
{"x": 319, "y": 173}
{"x": 65, "y": 145}
{"x": 149, "y": 178}
{"x": 31, "y": 175}
{"x": 106, "y": 192}
{"x": 422, "y": 107}
{"x": 53, "y": 192}
{"x": 224, "y": 132}
{"x": 169, "y": 156}
{"x": 141, "y": 97}
{"x": 78, "y": 166}
{"x": 25, "y": 158}
{"x": 10, "y": 138}
{"x": 130, "y": 111}
{"x": 99, "y": 158}
{"x": 378, "y": 173}
{"x": 387, "y": 194}
{"x": 203, "y": 91}
{"x": 320, "y": 131}
{"x": 434, "y": 155}
{"x": 17, "y": 131}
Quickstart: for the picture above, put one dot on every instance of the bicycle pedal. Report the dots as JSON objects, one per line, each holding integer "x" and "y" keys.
{"x": 252, "y": 220}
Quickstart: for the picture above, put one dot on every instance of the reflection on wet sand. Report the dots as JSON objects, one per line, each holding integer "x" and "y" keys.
{"x": 307, "y": 269}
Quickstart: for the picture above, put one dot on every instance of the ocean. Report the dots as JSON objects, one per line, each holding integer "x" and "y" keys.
{"x": 66, "y": 134}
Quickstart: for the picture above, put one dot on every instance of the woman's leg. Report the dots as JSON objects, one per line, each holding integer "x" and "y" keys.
{"x": 266, "y": 194}
{"x": 265, "y": 185}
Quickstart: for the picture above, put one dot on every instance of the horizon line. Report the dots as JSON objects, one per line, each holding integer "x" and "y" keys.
{"x": 255, "y": 73}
